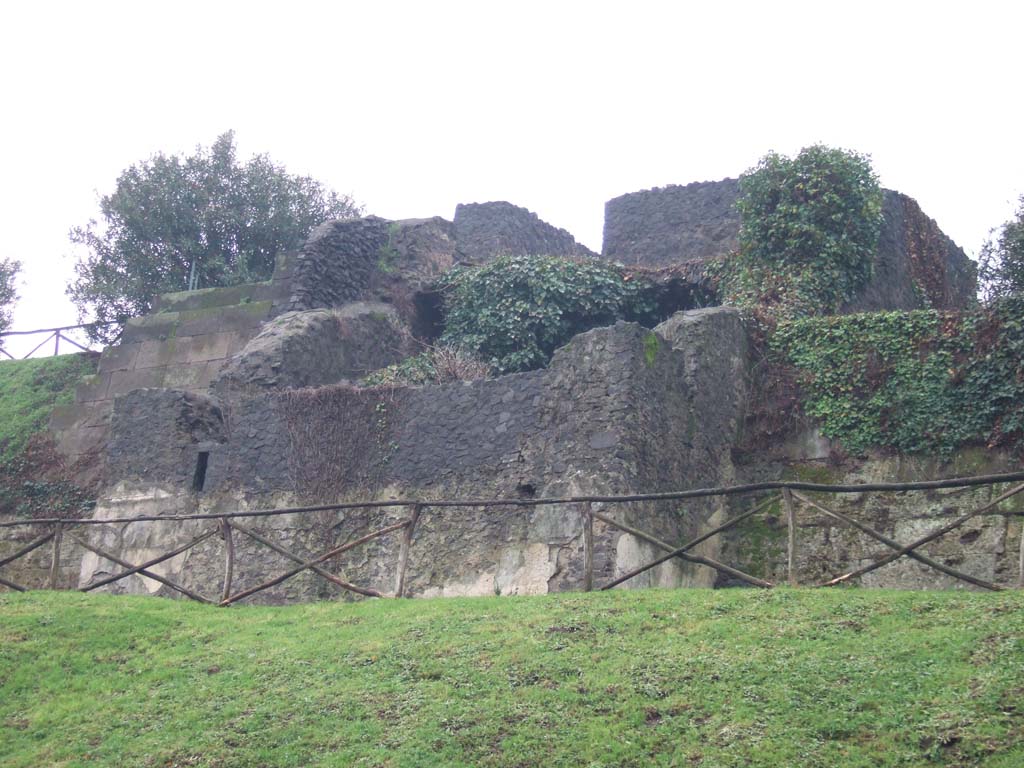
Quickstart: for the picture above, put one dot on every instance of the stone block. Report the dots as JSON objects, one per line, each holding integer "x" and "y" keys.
{"x": 207, "y": 298}
{"x": 213, "y": 346}
{"x": 119, "y": 358}
{"x": 94, "y": 387}
{"x": 150, "y": 327}
{"x": 156, "y": 354}
{"x": 187, "y": 376}
{"x": 123, "y": 382}
{"x": 82, "y": 440}
{"x": 243, "y": 317}
{"x": 74, "y": 415}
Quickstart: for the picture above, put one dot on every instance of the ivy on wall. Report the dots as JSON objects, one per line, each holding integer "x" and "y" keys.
{"x": 514, "y": 312}
{"x": 912, "y": 381}
{"x": 810, "y": 227}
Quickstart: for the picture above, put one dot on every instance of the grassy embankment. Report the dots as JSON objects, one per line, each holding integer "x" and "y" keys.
{"x": 30, "y": 478}
{"x": 687, "y": 678}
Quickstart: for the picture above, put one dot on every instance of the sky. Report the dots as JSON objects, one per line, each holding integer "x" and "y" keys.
{"x": 414, "y": 107}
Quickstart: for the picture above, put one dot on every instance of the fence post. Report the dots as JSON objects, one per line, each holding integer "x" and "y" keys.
{"x": 403, "y": 551}
{"x": 588, "y": 547}
{"x": 58, "y": 534}
{"x": 787, "y": 499}
{"x": 229, "y": 557}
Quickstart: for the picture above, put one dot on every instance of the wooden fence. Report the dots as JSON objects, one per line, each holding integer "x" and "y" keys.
{"x": 56, "y": 335}
{"x": 790, "y": 494}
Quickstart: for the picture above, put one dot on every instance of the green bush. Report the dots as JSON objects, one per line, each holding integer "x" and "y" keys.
{"x": 912, "y": 381}
{"x": 514, "y": 312}
{"x": 808, "y": 233}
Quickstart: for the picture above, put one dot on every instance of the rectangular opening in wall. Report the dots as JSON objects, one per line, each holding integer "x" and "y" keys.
{"x": 199, "y": 479}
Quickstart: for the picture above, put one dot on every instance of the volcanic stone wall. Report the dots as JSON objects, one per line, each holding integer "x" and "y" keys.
{"x": 616, "y": 410}
{"x": 987, "y": 547}
{"x": 916, "y": 265}
{"x": 337, "y": 262}
{"x": 484, "y": 231}
{"x": 674, "y": 224}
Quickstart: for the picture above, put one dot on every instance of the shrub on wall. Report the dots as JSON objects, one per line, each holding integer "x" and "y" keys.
{"x": 514, "y": 312}
{"x": 912, "y": 381}
{"x": 809, "y": 230}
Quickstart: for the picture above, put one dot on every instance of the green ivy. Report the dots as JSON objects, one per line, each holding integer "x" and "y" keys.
{"x": 808, "y": 234}
{"x": 912, "y": 381}
{"x": 514, "y": 312}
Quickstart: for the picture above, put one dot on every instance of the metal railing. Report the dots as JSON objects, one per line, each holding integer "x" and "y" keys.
{"x": 791, "y": 494}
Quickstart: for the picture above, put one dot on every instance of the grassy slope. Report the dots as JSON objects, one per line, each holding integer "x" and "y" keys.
{"x": 736, "y": 678}
{"x": 28, "y": 391}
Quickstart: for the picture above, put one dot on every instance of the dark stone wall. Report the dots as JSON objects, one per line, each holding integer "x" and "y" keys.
{"x": 916, "y": 265}
{"x": 317, "y": 347}
{"x": 613, "y": 413}
{"x": 484, "y": 231}
{"x": 669, "y": 225}
{"x": 337, "y": 263}
{"x": 156, "y": 435}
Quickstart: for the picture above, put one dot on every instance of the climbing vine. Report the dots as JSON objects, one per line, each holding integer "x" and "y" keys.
{"x": 912, "y": 381}
{"x": 810, "y": 226}
{"x": 514, "y": 312}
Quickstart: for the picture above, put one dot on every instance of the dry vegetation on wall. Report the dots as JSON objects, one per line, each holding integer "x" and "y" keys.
{"x": 341, "y": 438}
{"x": 925, "y": 248}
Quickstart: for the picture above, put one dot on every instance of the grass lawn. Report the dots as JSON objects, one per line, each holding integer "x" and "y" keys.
{"x": 669, "y": 678}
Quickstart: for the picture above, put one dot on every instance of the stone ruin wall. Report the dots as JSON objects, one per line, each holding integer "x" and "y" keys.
{"x": 916, "y": 265}
{"x": 614, "y": 411}
{"x": 604, "y": 417}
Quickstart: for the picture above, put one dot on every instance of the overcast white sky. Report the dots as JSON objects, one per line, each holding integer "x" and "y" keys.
{"x": 555, "y": 106}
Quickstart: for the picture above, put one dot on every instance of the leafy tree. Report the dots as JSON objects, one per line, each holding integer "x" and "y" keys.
{"x": 514, "y": 312}
{"x": 8, "y": 293}
{"x": 175, "y": 223}
{"x": 1001, "y": 262}
{"x": 809, "y": 231}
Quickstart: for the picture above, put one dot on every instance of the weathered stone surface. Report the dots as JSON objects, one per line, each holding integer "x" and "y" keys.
{"x": 986, "y": 547}
{"x": 916, "y": 265}
{"x": 484, "y": 231}
{"x": 337, "y": 262}
{"x": 317, "y": 347}
{"x": 183, "y": 347}
{"x": 671, "y": 225}
{"x": 613, "y": 412}
{"x": 156, "y": 435}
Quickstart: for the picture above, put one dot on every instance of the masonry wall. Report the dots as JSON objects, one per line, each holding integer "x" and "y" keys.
{"x": 484, "y": 231}
{"x": 613, "y": 403}
{"x": 916, "y": 265}
{"x": 987, "y": 547}
{"x": 184, "y": 345}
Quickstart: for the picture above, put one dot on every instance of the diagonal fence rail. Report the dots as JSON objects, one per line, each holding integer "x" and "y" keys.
{"x": 790, "y": 494}
{"x": 56, "y": 335}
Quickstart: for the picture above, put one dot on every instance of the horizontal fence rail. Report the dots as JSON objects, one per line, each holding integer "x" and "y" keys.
{"x": 789, "y": 494}
{"x": 56, "y": 335}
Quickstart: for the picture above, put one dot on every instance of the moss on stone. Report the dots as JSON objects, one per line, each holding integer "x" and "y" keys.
{"x": 813, "y": 473}
{"x": 650, "y": 349}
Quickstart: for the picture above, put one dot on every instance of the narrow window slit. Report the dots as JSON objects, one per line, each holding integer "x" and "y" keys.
{"x": 199, "y": 478}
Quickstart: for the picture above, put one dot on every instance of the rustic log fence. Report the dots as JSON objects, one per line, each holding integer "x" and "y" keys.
{"x": 56, "y": 335}
{"x": 789, "y": 495}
